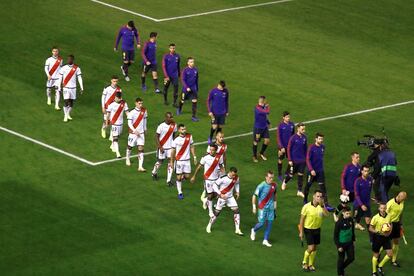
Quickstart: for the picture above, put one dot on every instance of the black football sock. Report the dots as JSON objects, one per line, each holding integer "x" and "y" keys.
{"x": 300, "y": 182}
{"x": 143, "y": 80}
{"x": 155, "y": 83}
{"x": 194, "y": 109}
{"x": 279, "y": 169}
{"x": 254, "y": 151}
{"x": 212, "y": 133}
{"x": 264, "y": 147}
{"x": 125, "y": 68}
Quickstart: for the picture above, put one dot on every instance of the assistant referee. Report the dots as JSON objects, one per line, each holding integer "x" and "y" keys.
{"x": 310, "y": 224}
{"x": 395, "y": 207}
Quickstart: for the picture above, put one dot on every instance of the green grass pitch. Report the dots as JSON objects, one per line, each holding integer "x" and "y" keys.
{"x": 314, "y": 58}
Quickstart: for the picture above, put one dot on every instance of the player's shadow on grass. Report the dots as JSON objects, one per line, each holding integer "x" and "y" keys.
{"x": 39, "y": 229}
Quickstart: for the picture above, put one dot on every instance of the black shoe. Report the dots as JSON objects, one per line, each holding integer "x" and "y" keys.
{"x": 395, "y": 264}
{"x": 155, "y": 177}
{"x": 170, "y": 184}
{"x": 380, "y": 271}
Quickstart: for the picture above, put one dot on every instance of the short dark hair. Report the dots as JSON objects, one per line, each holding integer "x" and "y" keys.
{"x": 233, "y": 169}
{"x": 222, "y": 83}
{"x": 317, "y": 191}
{"x": 318, "y": 134}
{"x": 55, "y": 47}
{"x": 153, "y": 34}
{"x": 138, "y": 100}
{"x": 346, "y": 209}
{"x": 300, "y": 125}
{"x": 71, "y": 56}
{"x": 262, "y": 97}
{"x": 131, "y": 24}
{"x": 365, "y": 166}
{"x": 214, "y": 146}
{"x": 181, "y": 125}
{"x": 171, "y": 45}
{"x": 189, "y": 58}
{"x": 285, "y": 113}
{"x": 118, "y": 94}
{"x": 168, "y": 113}
{"x": 382, "y": 203}
{"x": 269, "y": 172}
{"x": 114, "y": 77}
{"x": 354, "y": 152}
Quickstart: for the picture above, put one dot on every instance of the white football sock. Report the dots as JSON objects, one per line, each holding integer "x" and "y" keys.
{"x": 57, "y": 97}
{"x": 179, "y": 187}
{"x": 116, "y": 146}
{"x": 140, "y": 159}
{"x": 210, "y": 206}
{"x": 128, "y": 153}
{"x": 156, "y": 167}
{"x": 169, "y": 172}
{"x": 237, "y": 221}
{"x": 48, "y": 92}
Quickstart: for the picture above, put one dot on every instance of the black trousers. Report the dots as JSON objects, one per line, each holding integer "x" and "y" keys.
{"x": 385, "y": 186}
{"x": 349, "y": 253}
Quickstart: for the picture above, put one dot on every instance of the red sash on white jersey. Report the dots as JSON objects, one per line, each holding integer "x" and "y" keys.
{"x": 112, "y": 98}
{"x": 167, "y": 135}
{"x": 138, "y": 120}
{"x": 231, "y": 185}
{"x": 55, "y": 66}
{"x": 212, "y": 167}
{"x": 183, "y": 147}
{"x": 118, "y": 112}
{"x": 222, "y": 150}
{"x": 268, "y": 196}
{"x": 70, "y": 75}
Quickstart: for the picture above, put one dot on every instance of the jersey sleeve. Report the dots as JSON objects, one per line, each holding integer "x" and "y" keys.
{"x": 173, "y": 145}
{"x": 257, "y": 191}
{"x": 158, "y": 131}
{"x": 126, "y": 107}
{"x": 47, "y": 67}
{"x": 304, "y": 210}
{"x": 203, "y": 161}
{"x": 374, "y": 221}
{"x": 191, "y": 140}
{"x": 237, "y": 186}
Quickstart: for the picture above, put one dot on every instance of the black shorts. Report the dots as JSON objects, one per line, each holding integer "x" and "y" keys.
{"x": 296, "y": 168}
{"x": 363, "y": 214}
{"x": 128, "y": 55}
{"x": 263, "y": 132}
{"x": 313, "y": 236}
{"x": 396, "y": 231}
{"x": 351, "y": 196}
{"x": 319, "y": 177}
{"x": 191, "y": 95}
{"x": 379, "y": 241}
{"x": 147, "y": 68}
{"x": 219, "y": 119}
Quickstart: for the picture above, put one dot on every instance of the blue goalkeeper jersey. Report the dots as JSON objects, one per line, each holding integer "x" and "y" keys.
{"x": 262, "y": 192}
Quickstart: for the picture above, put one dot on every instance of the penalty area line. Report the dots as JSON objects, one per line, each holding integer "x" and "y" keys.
{"x": 271, "y": 129}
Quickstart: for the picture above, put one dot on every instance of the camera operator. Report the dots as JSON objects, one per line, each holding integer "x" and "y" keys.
{"x": 388, "y": 170}
{"x": 373, "y": 162}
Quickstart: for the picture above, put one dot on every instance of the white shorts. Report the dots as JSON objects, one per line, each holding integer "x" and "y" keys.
{"x": 165, "y": 155}
{"x": 183, "y": 167}
{"x": 229, "y": 202}
{"x": 116, "y": 130}
{"x": 135, "y": 140}
{"x": 69, "y": 93}
{"x": 208, "y": 185}
{"x": 53, "y": 83}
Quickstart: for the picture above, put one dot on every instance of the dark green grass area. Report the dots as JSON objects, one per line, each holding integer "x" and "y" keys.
{"x": 314, "y": 58}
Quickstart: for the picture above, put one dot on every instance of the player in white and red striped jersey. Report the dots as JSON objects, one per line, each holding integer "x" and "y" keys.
{"x": 115, "y": 117}
{"x": 221, "y": 150}
{"x": 68, "y": 75}
{"x": 108, "y": 96}
{"x": 213, "y": 166}
{"x": 164, "y": 137}
{"x": 181, "y": 147}
{"x": 227, "y": 188}
{"x": 52, "y": 68}
{"x": 137, "y": 127}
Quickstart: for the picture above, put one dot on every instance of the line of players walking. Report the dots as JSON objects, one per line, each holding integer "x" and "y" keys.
{"x": 176, "y": 146}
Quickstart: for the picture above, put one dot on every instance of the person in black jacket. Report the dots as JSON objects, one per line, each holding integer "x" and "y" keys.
{"x": 344, "y": 237}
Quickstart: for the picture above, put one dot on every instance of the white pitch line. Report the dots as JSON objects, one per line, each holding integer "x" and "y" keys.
{"x": 125, "y": 10}
{"x": 271, "y": 129}
{"x": 190, "y": 15}
{"x": 47, "y": 146}
{"x": 223, "y": 10}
